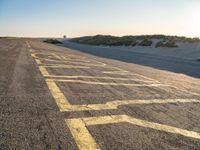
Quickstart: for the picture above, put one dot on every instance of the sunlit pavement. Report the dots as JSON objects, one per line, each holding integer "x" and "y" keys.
{"x": 64, "y": 99}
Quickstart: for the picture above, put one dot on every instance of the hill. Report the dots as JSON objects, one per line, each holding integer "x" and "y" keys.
{"x": 142, "y": 40}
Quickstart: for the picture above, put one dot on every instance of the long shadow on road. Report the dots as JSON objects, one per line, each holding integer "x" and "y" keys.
{"x": 177, "y": 65}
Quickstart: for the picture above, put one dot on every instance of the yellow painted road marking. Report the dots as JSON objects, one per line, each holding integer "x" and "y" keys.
{"x": 106, "y": 83}
{"x": 81, "y": 134}
{"x": 72, "y": 57}
{"x": 43, "y": 70}
{"x": 115, "y": 104}
{"x": 56, "y": 56}
{"x": 66, "y": 66}
{"x": 80, "y": 63}
{"x": 64, "y": 104}
{"x": 97, "y": 77}
{"x": 82, "y": 137}
{"x": 120, "y": 71}
{"x": 78, "y": 127}
{"x": 57, "y": 65}
{"x": 75, "y": 59}
{"x": 58, "y": 96}
{"x": 60, "y": 57}
{"x": 128, "y": 73}
{"x": 139, "y": 122}
{"x": 38, "y": 62}
{"x": 116, "y": 72}
{"x": 185, "y": 91}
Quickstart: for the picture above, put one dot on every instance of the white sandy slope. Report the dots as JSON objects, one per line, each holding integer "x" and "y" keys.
{"x": 184, "y": 50}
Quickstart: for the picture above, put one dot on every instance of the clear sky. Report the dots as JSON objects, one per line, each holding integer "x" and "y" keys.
{"x": 54, "y": 18}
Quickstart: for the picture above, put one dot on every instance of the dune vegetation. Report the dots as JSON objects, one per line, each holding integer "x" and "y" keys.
{"x": 142, "y": 40}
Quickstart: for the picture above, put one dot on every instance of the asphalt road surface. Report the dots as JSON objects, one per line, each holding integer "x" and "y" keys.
{"x": 58, "y": 98}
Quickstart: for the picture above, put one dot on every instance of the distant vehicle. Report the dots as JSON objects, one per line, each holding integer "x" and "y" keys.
{"x": 198, "y": 59}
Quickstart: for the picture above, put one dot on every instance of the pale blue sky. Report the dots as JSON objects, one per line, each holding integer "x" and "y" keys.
{"x": 54, "y": 18}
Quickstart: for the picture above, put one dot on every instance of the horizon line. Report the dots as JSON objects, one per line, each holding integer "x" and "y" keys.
{"x": 10, "y": 36}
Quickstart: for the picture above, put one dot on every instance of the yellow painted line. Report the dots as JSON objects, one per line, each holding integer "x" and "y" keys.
{"x": 66, "y": 66}
{"x": 128, "y": 73}
{"x": 124, "y": 72}
{"x": 142, "y": 76}
{"x": 120, "y": 71}
{"x": 58, "y": 96}
{"x": 56, "y": 56}
{"x": 80, "y": 63}
{"x": 67, "y": 58}
{"x": 97, "y": 77}
{"x": 57, "y": 65}
{"x": 65, "y": 61}
{"x": 84, "y": 140}
{"x": 34, "y": 56}
{"x": 43, "y": 70}
{"x": 105, "y": 83}
{"x": 117, "y": 69}
{"x": 75, "y": 59}
{"x": 116, "y": 72}
{"x": 78, "y": 127}
{"x": 185, "y": 91}
{"x": 38, "y": 62}
{"x": 72, "y": 56}
{"x": 117, "y": 103}
{"x": 82, "y": 137}
{"x": 139, "y": 122}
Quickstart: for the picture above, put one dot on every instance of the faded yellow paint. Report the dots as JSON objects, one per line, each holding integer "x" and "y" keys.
{"x": 139, "y": 122}
{"x": 115, "y": 104}
{"x": 80, "y": 59}
{"x": 81, "y": 134}
{"x": 78, "y": 126}
{"x": 56, "y": 56}
{"x": 43, "y": 70}
{"x": 82, "y": 137}
{"x": 97, "y": 77}
{"x": 185, "y": 91}
{"x": 128, "y": 73}
{"x": 77, "y": 60}
{"x": 38, "y": 62}
{"x": 111, "y": 83}
{"x": 58, "y": 96}
{"x": 66, "y": 66}
{"x": 80, "y": 63}
{"x": 60, "y": 59}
